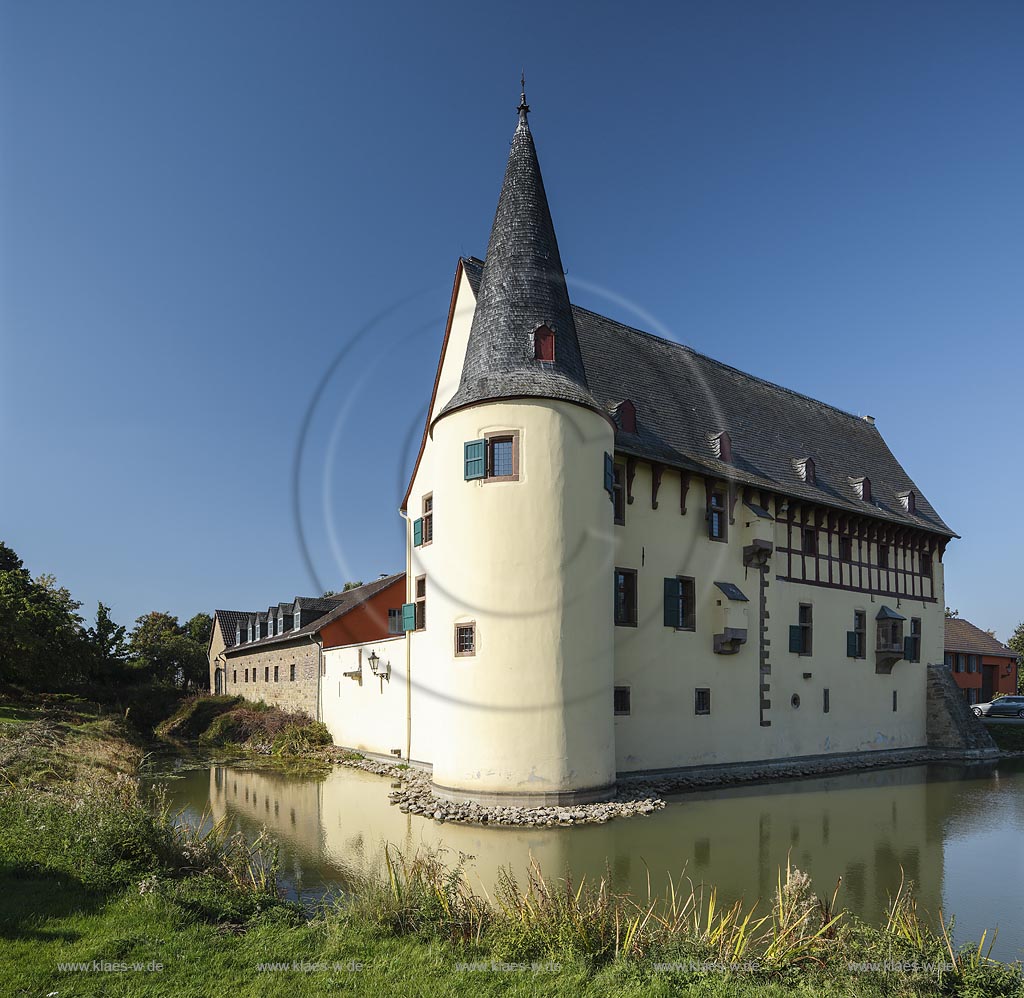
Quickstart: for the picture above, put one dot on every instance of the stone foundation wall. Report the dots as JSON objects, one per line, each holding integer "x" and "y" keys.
{"x": 299, "y": 694}
{"x": 951, "y": 724}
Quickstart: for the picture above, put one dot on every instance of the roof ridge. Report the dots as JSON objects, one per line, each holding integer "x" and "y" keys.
{"x": 721, "y": 363}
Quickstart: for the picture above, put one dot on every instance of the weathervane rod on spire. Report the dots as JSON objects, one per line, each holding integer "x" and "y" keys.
{"x": 524, "y": 108}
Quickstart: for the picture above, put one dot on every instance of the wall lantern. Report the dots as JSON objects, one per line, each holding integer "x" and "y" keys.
{"x": 382, "y": 670}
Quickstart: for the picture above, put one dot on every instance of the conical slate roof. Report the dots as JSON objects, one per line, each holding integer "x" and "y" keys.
{"x": 522, "y": 288}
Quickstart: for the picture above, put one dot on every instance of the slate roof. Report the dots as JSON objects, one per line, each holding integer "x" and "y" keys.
{"x": 229, "y": 620}
{"x": 963, "y": 636}
{"x": 339, "y": 605}
{"x": 522, "y": 287}
{"x": 683, "y": 398}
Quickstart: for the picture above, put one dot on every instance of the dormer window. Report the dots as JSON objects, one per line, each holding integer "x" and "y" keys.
{"x": 626, "y": 413}
{"x": 298, "y": 618}
{"x": 805, "y": 469}
{"x": 238, "y": 634}
{"x": 543, "y": 344}
{"x": 249, "y": 633}
{"x": 862, "y": 486}
{"x": 721, "y": 445}
{"x": 909, "y": 502}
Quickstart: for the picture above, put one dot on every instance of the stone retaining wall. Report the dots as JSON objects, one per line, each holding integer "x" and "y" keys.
{"x": 951, "y": 724}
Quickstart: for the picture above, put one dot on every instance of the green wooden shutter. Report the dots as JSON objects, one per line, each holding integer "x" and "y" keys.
{"x": 908, "y": 649}
{"x": 851, "y": 644}
{"x": 417, "y": 532}
{"x": 795, "y": 642}
{"x": 475, "y": 459}
{"x": 408, "y": 616}
{"x": 672, "y": 587}
{"x": 609, "y": 475}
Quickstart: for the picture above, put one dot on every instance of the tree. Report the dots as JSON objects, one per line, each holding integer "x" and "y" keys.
{"x": 952, "y": 613}
{"x": 351, "y": 585}
{"x": 42, "y": 642}
{"x": 108, "y": 647}
{"x": 199, "y": 628}
{"x": 1016, "y": 643}
{"x": 162, "y": 647}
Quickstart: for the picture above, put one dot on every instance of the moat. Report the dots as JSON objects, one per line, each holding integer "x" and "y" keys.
{"x": 955, "y": 831}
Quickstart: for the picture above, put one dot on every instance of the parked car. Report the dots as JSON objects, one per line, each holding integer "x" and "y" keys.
{"x": 1000, "y": 707}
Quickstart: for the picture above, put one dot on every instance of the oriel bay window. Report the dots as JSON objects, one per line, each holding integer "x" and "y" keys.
{"x": 625, "y": 597}
{"x": 680, "y": 609}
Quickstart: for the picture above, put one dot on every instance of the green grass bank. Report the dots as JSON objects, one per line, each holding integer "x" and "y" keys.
{"x": 103, "y": 893}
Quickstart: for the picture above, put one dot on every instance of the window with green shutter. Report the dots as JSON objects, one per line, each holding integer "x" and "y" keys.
{"x": 795, "y": 639}
{"x": 609, "y": 475}
{"x": 852, "y": 645}
{"x": 679, "y": 603}
{"x": 408, "y": 616}
{"x": 475, "y": 459}
{"x": 417, "y": 532}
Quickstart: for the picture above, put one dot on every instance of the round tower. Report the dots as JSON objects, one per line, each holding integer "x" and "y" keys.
{"x": 519, "y": 452}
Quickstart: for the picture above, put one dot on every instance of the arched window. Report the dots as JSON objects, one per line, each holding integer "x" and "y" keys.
{"x": 543, "y": 343}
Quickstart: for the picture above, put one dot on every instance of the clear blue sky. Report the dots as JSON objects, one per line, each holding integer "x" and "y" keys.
{"x": 202, "y": 204}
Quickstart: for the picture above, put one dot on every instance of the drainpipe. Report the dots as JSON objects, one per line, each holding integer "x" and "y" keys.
{"x": 408, "y": 640}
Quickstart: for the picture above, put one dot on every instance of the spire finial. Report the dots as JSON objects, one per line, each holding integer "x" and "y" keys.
{"x": 524, "y": 108}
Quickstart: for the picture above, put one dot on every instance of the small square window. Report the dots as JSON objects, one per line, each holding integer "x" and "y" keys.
{"x": 702, "y": 701}
{"x": 465, "y": 639}
{"x": 622, "y": 700}
{"x": 234, "y": 675}
{"x": 266, "y": 673}
{"x": 926, "y": 564}
{"x": 883, "y": 555}
{"x": 502, "y": 457}
{"x": 291, "y": 673}
{"x": 810, "y": 540}
{"x": 846, "y": 548}
{"x": 276, "y": 676}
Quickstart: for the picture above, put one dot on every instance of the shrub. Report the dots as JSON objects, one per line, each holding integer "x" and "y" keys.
{"x": 299, "y": 739}
{"x": 195, "y": 715}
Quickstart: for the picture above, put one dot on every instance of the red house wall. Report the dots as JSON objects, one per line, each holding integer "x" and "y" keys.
{"x": 368, "y": 621}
